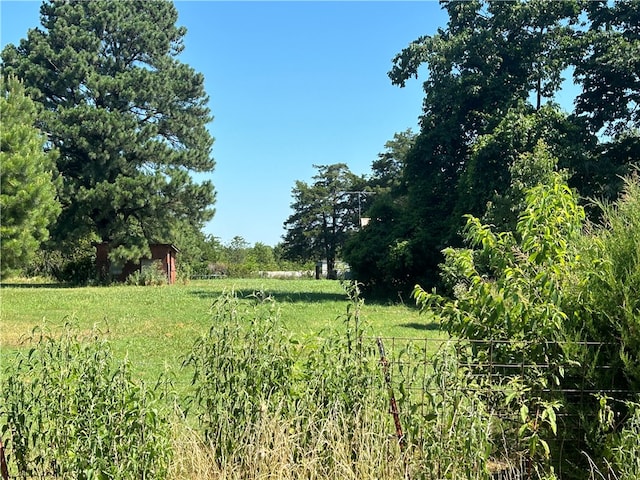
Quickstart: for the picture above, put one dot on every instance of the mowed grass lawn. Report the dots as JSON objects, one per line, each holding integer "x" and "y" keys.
{"x": 155, "y": 327}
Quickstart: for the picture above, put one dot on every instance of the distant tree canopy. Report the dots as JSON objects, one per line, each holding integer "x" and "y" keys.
{"x": 492, "y": 77}
{"x": 375, "y": 255}
{"x": 127, "y": 117}
{"x": 324, "y": 215}
{"x": 28, "y": 201}
{"x": 239, "y": 259}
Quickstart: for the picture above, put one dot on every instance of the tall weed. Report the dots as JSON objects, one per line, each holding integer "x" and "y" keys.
{"x": 606, "y": 300}
{"x": 621, "y": 446}
{"x": 148, "y": 275}
{"x": 269, "y": 406}
{"x": 241, "y": 368}
{"x": 625, "y": 446}
{"x": 323, "y": 396}
{"x": 69, "y": 410}
{"x": 449, "y": 427}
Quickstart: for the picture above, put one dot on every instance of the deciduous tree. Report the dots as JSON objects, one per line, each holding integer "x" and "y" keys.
{"x": 608, "y": 66}
{"x": 375, "y": 255}
{"x": 492, "y": 57}
{"x": 492, "y": 76}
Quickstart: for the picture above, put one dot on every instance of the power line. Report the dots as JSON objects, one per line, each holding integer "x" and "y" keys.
{"x": 359, "y": 193}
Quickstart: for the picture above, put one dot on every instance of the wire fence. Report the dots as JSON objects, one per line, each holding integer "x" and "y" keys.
{"x": 424, "y": 373}
{"x": 494, "y": 363}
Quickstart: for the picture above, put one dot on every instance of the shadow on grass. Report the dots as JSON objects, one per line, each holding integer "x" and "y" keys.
{"x": 278, "y": 296}
{"x": 430, "y": 326}
{"x": 36, "y": 285}
{"x": 286, "y": 296}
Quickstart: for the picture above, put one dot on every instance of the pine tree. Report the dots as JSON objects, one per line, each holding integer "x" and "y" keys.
{"x": 27, "y": 193}
{"x": 128, "y": 118}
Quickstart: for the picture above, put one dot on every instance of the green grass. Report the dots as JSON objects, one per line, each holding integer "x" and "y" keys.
{"x": 154, "y": 327}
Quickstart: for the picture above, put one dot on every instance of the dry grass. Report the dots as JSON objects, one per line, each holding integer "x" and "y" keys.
{"x": 277, "y": 449}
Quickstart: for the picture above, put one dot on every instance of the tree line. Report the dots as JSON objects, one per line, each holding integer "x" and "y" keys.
{"x": 494, "y": 76}
{"x": 103, "y": 127}
{"x": 238, "y": 258}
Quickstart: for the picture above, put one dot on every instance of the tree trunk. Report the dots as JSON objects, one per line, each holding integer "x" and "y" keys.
{"x": 332, "y": 273}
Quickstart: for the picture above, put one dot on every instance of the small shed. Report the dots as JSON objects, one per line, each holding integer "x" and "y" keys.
{"x": 162, "y": 254}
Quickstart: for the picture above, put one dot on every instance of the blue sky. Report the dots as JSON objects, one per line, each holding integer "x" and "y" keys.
{"x": 291, "y": 84}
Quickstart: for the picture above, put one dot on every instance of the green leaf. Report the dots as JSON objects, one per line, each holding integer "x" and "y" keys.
{"x": 524, "y": 413}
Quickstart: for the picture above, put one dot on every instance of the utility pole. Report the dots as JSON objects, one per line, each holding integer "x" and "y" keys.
{"x": 360, "y": 193}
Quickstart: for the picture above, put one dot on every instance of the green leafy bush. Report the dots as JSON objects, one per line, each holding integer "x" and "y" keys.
{"x": 537, "y": 295}
{"x": 509, "y": 304}
{"x": 148, "y": 275}
{"x": 71, "y": 263}
{"x": 69, "y": 410}
{"x": 508, "y": 301}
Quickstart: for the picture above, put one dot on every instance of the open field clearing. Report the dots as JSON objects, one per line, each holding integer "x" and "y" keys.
{"x": 259, "y": 406}
{"x": 282, "y": 380}
{"x": 156, "y": 326}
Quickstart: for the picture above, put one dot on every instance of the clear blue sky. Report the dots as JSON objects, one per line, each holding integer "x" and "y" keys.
{"x": 291, "y": 84}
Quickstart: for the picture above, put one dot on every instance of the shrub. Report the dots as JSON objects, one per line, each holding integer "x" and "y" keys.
{"x": 509, "y": 290}
{"x": 73, "y": 262}
{"x": 148, "y": 275}
{"x": 543, "y": 291}
{"x": 606, "y": 287}
{"x": 69, "y": 410}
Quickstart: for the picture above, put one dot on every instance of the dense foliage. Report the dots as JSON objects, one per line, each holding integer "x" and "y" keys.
{"x": 605, "y": 288}
{"x": 127, "y": 117}
{"x": 546, "y": 290}
{"x": 70, "y": 410}
{"x": 28, "y": 203}
{"x": 493, "y": 76}
{"x": 376, "y": 257}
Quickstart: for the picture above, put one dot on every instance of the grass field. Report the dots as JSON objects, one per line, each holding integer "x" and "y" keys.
{"x": 154, "y": 327}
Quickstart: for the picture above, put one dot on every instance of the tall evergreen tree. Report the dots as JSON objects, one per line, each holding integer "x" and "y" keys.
{"x": 324, "y": 215}
{"x": 28, "y": 201}
{"x": 387, "y": 169}
{"x": 128, "y": 118}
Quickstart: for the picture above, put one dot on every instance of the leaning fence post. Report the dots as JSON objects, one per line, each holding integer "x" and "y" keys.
{"x": 392, "y": 398}
{"x": 4, "y": 471}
